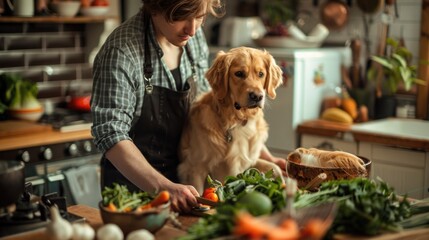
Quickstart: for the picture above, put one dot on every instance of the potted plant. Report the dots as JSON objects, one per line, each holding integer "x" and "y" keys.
{"x": 393, "y": 72}
{"x": 276, "y": 13}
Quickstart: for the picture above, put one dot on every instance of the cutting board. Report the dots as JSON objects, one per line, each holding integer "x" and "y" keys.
{"x": 11, "y": 128}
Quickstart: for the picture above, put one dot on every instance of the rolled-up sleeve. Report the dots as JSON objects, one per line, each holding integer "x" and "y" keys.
{"x": 113, "y": 98}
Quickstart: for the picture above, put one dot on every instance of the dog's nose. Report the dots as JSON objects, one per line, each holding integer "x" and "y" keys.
{"x": 255, "y": 97}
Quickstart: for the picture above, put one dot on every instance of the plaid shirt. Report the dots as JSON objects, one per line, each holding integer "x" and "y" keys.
{"x": 118, "y": 87}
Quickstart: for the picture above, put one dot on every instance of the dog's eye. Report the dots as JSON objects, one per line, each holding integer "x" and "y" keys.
{"x": 239, "y": 74}
{"x": 261, "y": 74}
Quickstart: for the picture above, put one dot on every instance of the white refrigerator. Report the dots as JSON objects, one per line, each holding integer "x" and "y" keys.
{"x": 310, "y": 75}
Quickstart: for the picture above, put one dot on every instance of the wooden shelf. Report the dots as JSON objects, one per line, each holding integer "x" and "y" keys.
{"x": 55, "y": 19}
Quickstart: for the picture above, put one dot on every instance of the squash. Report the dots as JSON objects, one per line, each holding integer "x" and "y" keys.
{"x": 350, "y": 106}
{"x": 336, "y": 115}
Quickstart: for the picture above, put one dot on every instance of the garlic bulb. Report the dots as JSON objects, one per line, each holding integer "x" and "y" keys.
{"x": 82, "y": 231}
{"x": 58, "y": 228}
{"x": 141, "y": 234}
{"x": 110, "y": 231}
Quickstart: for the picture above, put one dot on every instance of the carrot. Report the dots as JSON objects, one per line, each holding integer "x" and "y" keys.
{"x": 128, "y": 209}
{"x": 287, "y": 230}
{"x": 251, "y": 227}
{"x": 143, "y": 207}
{"x": 161, "y": 198}
{"x": 111, "y": 207}
{"x": 314, "y": 229}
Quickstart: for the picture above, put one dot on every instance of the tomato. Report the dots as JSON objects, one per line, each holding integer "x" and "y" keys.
{"x": 212, "y": 196}
{"x": 209, "y": 190}
{"x": 100, "y": 3}
{"x": 80, "y": 103}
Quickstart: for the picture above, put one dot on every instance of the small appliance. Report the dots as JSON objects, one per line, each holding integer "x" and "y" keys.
{"x": 240, "y": 31}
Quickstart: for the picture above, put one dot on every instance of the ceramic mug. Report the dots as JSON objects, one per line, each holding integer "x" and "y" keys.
{"x": 22, "y": 8}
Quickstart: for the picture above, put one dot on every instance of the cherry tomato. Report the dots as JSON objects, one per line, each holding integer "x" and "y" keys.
{"x": 212, "y": 196}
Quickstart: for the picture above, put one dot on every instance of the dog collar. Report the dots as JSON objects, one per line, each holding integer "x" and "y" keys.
{"x": 228, "y": 134}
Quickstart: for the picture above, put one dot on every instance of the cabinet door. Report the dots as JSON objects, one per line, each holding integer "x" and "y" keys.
{"x": 328, "y": 143}
{"x": 403, "y": 169}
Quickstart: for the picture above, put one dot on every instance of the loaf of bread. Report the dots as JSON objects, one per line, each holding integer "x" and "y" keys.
{"x": 326, "y": 159}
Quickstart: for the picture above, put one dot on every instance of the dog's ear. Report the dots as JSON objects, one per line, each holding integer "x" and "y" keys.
{"x": 217, "y": 75}
{"x": 274, "y": 76}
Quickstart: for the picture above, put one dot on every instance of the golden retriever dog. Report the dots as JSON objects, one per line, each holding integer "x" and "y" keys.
{"x": 328, "y": 159}
{"x": 226, "y": 130}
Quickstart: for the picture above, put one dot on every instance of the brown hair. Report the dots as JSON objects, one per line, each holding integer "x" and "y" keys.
{"x": 176, "y": 10}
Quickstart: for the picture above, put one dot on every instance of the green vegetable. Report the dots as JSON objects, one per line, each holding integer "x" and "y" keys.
{"x": 256, "y": 203}
{"x": 123, "y": 199}
{"x": 17, "y": 93}
{"x": 233, "y": 188}
{"x": 365, "y": 206}
{"x": 420, "y": 214}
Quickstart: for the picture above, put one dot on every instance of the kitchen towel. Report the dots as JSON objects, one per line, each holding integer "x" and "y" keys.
{"x": 83, "y": 185}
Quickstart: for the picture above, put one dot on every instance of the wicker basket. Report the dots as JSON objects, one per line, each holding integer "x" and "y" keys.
{"x": 307, "y": 176}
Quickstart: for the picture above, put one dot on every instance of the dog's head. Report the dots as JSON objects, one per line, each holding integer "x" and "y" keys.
{"x": 244, "y": 76}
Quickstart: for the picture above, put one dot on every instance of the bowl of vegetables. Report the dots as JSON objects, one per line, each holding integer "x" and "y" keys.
{"x": 133, "y": 211}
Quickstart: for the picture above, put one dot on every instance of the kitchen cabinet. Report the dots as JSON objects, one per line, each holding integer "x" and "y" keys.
{"x": 329, "y": 143}
{"x": 404, "y": 169}
{"x": 400, "y": 160}
{"x": 326, "y": 135}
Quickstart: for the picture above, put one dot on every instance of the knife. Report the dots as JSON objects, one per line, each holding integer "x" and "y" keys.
{"x": 206, "y": 201}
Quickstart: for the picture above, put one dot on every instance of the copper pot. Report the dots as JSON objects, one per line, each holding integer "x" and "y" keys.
{"x": 334, "y": 14}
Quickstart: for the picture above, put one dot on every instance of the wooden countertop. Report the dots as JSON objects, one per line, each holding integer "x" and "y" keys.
{"x": 332, "y": 129}
{"x": 92, "y": 215}
{"x": 21, "y": 134}
{"x": 323, "y": 128}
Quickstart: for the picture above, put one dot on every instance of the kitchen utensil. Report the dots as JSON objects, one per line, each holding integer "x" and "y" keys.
{"x": 22, "y": 8}
{"x": 240, "y": 31}
{"x": 356, "y": 70}
{"x": 11, "y": 181}
{"x": 94, "y": 10}
{"x": 334, "y": 14}
{"x": 207, "y": 201}
{"x": 316, "y": 181}
{"x": 369, "y": 6}
{"x": 66, "y": 8}
{"x": 386, "y": 20}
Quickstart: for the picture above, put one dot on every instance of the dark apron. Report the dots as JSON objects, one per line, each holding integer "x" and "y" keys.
{"x": 158, "y": 130}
